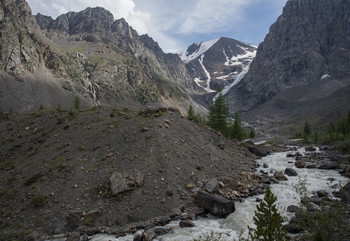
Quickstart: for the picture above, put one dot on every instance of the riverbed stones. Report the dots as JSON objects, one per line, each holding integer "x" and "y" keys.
{"x": 292, "y": 209}
{"x": 149, "y": 235}
{"x": 279, "y": 176}
{"x": 300, "y": 163}
{"x": 186, "y": 224}
{"x": 290, "y": 172}
{"x": 311, "y": 166}
{"x": 265, "y": 165}
{"x": 322, "y": 193}
{"x": 310, "y": 148}
{"x": 125, "y": 181}
{"x": 329, "y": 166}
{"x": 212, "y": 186}
{"x": 216, "y": 205}
{"x": 293, "y": 228}
{"x": 75, "y": 236}
{"x": 33, "y": 236}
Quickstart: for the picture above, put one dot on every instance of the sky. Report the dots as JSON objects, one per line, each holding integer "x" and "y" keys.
{"x": 176, "y": 24}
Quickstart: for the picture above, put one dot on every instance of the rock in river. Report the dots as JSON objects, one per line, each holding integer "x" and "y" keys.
{"x": 217, "y": 206}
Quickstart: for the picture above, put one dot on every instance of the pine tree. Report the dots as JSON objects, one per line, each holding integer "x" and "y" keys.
{"x": 190, "y": 113}
{"x": 268, "y": 221}
{"x": 307, "y": 129}
{"x": 236, "y": 130}
{"x": 252, "y": 133}
{"x": 218, "y": 113}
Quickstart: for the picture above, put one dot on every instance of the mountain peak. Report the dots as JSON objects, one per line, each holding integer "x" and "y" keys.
{"x": 219, "y": 62}
{"x": 90, "y": 20}
{"x": 196, "y": 50}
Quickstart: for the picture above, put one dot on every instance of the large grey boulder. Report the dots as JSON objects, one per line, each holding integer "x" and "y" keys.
{"x": 217, "y": 206}
{"x": 279, "y": 176}
{"x": 290, "y": 172}
{"x": 125, "y": 181}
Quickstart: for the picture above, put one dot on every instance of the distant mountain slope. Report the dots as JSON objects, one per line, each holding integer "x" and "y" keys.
{"x": 220, "y": 62}
{"x": 86, "y": 54}
{"x": 308, "y": 45}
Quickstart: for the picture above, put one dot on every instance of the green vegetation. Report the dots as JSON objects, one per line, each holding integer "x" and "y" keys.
{"x": 321, "y": 225}
{"x": 39, "y": 200}
{"x": 218, "y": 113}
{"x": 15, "y": 235}
{"x": 252, "y": 133}
{"x": 190, "y": 113}
{"x": 236, "y": 131}
{"x": 32, "y": 179}
{"x": 7, "y": 165}
{"x": 217, "y": 119}
{"x": 213, "y": 236}
{"x": 337, "y": 134}
{"x": 59, "y": 108}
{"x": 268, "y": 221}
{"x": 77, "y": 103}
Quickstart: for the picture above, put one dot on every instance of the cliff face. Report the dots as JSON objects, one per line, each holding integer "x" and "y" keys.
{"x": 20, "y": 49}
{"x": 310, "y": 40}
{"x": 86, "y": 54}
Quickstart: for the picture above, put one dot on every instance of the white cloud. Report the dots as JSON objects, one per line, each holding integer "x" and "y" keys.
{"x": 171, "y": 22}
{"x": 213, "y": 16}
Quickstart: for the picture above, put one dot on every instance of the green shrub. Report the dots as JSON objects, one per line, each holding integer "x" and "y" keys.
{"x": 32, "y": 179}
{"x": 39, "y": 200}
{"x": 77, "y": 103}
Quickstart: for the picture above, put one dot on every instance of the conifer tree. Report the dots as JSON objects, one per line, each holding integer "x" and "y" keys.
{"x": 268, "y": 221}
{"x": 307, "y": 129}
{"x": 236, "y": 130}
{"x": 252, "y": 133}
{"x": 218, "y": 113}
{"x": 190, "y": 113}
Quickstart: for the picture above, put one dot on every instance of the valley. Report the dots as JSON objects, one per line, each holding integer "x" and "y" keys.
{"x": 105, "y": 136}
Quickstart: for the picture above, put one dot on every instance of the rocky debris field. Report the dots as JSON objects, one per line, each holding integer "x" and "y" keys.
{"x": 113, "y": 171}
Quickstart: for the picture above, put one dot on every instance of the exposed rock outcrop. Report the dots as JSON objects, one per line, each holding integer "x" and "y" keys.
{"x": 308, "y": 44}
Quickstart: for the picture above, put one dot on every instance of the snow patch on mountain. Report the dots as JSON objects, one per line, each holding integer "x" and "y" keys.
{"x": 202, "y": 48}
{"x": 247, "y": 56}
{"x": 207, "y": 85}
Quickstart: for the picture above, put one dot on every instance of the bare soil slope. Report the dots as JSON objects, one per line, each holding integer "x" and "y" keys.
{"x": 55, "y": 167}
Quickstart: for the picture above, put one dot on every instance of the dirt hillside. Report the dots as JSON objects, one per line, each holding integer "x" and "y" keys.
{"x": 55, "y": 167}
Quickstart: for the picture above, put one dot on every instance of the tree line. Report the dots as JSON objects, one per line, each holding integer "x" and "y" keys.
{"x": 218, "y": 119}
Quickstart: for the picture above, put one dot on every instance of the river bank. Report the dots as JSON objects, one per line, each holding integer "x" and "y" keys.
{"x": 321, "y": 177}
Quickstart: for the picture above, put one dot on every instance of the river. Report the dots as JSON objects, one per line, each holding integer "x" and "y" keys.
{"x": 236, "y": 224}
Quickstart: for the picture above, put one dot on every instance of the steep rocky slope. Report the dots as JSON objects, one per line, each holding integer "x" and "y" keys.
{"x": 55, "y": 167}
{"x": 309, "y": 45}
{"x": 220, "y": 62}
{"x": 85, "y": 54}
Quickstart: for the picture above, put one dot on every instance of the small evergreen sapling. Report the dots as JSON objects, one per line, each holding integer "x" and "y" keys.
{"x": 268, "y": 221}
{"x": 190, "y": 113}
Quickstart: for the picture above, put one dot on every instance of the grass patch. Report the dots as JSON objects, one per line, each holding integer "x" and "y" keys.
{"x": 39, "y": 200}
{"x": 7, "y": 165}
{"x": 32, "y": 179}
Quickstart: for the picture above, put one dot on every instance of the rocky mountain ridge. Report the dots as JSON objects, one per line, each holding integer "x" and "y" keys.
{"x": 309, "y": 45}
{"x": 85, "y": 54}
{"x": 220, "y": 62}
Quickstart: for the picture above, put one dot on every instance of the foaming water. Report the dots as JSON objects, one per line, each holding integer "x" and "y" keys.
{"x": 235, "y": 225}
